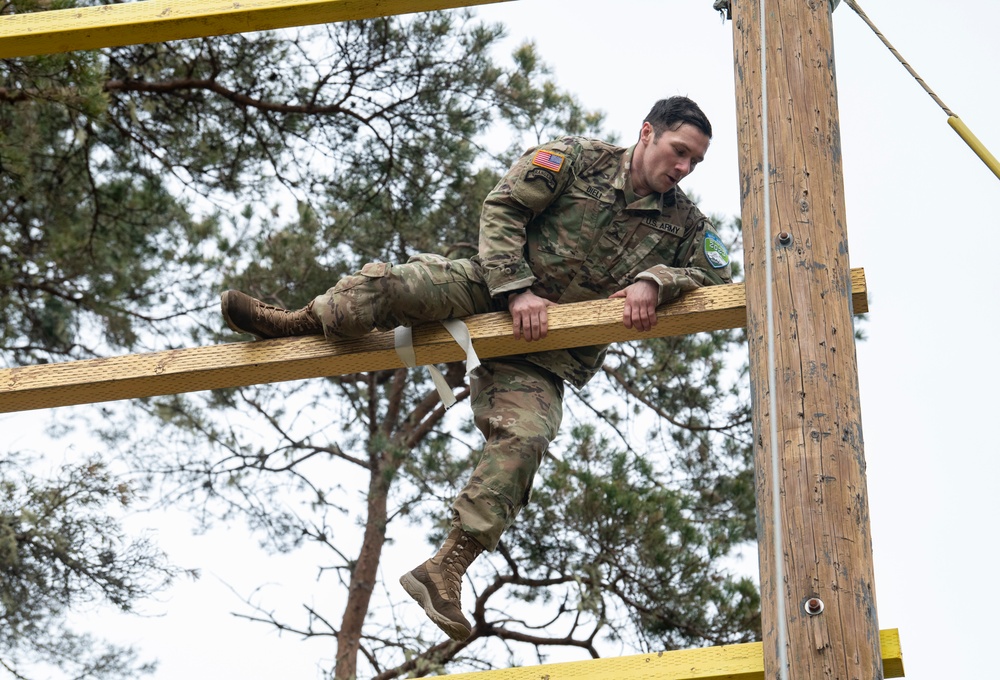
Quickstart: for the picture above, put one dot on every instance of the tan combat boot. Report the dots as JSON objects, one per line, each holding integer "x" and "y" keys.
{"x": 245, "y": 314}
{"x": 437, "y": 583}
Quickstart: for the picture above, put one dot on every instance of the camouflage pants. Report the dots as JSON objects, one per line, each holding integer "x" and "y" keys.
{"x": 382, "y": 296}
{"x": 518, "y": 408}
{"x": 516, "y": 405}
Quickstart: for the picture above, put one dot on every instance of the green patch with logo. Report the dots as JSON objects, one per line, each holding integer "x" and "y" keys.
{"x": 715, "y": 251}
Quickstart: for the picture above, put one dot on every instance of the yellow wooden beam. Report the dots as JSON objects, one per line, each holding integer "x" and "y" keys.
{"x": 152, "y": 21}
{"x": 249, "y": 363}
{"x": 727, "y": 662}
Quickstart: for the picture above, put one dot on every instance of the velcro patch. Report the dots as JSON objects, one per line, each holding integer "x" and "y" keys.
{"x": 667, "y": 227}
{"x": 544, "y": 175}
{"x": 548, "y": 160}
{"x": 715, "y": 251}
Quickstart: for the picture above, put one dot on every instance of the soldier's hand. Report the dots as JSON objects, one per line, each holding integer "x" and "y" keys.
{"x": 640, "y": 304}
{"x": 530, "y": 315}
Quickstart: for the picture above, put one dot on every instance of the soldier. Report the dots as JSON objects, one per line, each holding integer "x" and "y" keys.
{"x": 576, "y": 219}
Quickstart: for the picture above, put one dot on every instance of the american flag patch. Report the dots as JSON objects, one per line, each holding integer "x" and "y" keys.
{"x": 548, "y": 160}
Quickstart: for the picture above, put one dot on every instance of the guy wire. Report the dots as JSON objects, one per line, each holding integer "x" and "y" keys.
{"x": 861, "y": 13}
{"x": 957, "y": 124}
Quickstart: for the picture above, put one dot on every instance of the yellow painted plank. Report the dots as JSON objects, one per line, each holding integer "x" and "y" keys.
{"x": 726, "y": 662}
{"x": 249, "y": 363}
{"x": 151, "y": 21}
{"x": 892, "y": 653}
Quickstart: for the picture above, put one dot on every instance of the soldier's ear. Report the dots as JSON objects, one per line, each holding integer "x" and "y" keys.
{"x": 646, "y": 133}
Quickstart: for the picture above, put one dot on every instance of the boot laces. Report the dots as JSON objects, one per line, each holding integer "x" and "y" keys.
{"x": 456, "y": 562}
{"x": 276, "y": 317}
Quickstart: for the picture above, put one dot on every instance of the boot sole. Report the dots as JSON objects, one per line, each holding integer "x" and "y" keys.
{"x": 418, "y": 591}
{"x": 229, "y": 322}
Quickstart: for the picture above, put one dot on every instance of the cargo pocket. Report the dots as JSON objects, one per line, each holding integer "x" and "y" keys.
{"x": 440, "y": 270}
{"x": 375, "y": 270}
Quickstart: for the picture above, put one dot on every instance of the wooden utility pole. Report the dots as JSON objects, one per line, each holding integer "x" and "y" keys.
{"x": 826, "y": 626}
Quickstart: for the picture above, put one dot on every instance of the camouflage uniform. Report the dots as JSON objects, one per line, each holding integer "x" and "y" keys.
{"x": 564, "y": 222}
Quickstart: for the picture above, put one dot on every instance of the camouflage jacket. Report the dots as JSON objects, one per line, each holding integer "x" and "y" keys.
{"x": 564, "y": 222}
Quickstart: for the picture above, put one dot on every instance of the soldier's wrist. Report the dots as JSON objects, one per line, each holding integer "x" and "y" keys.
{"x": 510, "y": 295}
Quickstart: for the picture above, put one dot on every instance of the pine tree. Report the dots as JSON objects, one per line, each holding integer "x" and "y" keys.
{"x": 143, "y": 180}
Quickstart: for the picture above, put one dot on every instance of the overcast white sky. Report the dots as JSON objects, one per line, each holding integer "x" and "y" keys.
{"x": 922, "y": 221}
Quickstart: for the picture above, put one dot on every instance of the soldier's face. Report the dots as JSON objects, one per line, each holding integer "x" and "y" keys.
{"x": 659, "y": 163}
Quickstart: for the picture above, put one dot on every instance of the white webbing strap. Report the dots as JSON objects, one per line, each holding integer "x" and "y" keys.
{"x": 403, "y": 336}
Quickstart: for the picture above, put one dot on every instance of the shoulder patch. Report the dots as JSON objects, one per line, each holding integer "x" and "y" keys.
{"x": 715, "y": 251}
{"x": 548, "y": 160}
{"x": 543, "y": 175}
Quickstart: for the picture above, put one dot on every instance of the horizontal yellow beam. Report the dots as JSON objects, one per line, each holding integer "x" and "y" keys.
{"x": 153, "y": 21}
{"x": 250, "y": 363}
{"x": 726, "y": 662}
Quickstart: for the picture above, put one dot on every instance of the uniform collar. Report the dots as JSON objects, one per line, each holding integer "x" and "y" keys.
{"x": 622, "y": 181}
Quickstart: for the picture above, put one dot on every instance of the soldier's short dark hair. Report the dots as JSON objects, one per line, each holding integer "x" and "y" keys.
{"x": 670, "y": 114}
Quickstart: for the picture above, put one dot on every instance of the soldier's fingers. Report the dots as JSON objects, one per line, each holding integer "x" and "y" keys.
{"x": 646, "y": 322}
{"x": 536, "y": 326}
{"x": 526, "y": 327}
